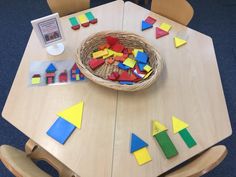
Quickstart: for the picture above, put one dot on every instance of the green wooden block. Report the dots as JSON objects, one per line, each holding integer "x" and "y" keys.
{"x": 89, "y": 16}
{"x": 73, "y": 21}
{"x": 188, "y": 139}
{"x": 166, "y": 144}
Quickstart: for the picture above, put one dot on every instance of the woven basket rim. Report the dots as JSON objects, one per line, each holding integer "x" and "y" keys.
{"x": 112, "y": 84}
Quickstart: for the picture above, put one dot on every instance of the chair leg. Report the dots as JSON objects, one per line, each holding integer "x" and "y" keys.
{"x": 36, "y": 152}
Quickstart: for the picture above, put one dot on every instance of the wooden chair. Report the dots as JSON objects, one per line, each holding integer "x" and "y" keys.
{"x": 66, "y": 7}
{"x": 178, "y": 10}
{"x": 21, "y": 163}
{"x": 201, "y": 164}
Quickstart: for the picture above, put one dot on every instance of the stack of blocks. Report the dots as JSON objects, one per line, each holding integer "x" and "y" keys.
{"x": 50, "y": 74}
{"x": 161, "y": 31}
{"x": 159, "y": 132}
{"x": 133, "y": 64}
{"x": 66, "y": 123}
{"x": 139, "y": 149}
{"x": 83, "y": 19}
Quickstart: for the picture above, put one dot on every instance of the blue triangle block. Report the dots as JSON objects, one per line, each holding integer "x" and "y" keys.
{"x": 61, "y": 130}
{"x": 51, "y": 68}
{"x": 136, "y": 143}
{"x": 146, "y": 25}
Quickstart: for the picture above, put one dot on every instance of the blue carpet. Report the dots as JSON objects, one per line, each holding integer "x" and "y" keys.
{"x": 215, "y": 18}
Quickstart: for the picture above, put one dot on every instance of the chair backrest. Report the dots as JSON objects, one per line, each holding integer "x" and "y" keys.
{"x": 66, "y": 7}
{"x": 178, "y": 10}
{"x": 19, "y": 164}
{"x": 204, "y": 163}
{"x": 36, "y": 152}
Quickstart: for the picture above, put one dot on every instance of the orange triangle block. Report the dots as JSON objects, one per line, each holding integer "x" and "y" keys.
{"x": 178, "y": 124}
{"x": 73, "y": 114}
{"x": 160, "y": 32}
{"x": 179, "y": 42}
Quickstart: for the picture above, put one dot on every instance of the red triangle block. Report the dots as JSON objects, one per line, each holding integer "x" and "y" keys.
{"x": 95, "y": 63}
{"x": 160, "y": 33}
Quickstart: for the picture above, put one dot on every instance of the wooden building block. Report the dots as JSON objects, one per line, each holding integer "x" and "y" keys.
{"x": 110, "y": 53}
{"x": 91, "y": 18}
{"x": 61, "y": 130}
{"x": 136, "y": 143}
{"x": 146, "y": 25}
{"x": 148, "y": 74}
{"x": 179, "y": 42}
{"x": 178, "y": 124}
{"x": 135, "y": 51}
{"x": 95, "y": 63}
{"x": 142, "y": 156}
{"x": 83, "y": 20}
{"x": 117, "y": 47}
{"x": 147, "y": 68}
{"x": 188, "y": 139}
{"x": 122, "y": 66}
{"x": 129, "y": 62}
{"x": 126, "y": 83}
{"x": 110, "y": 60}
{"x": 73, "y": 114}
{"x": 166, "y": 144}
{"x": 112, "y": 40}
{"x": 142, "y": 57}
{"x": 74, "y": 23}
{"x": 150, "y": 20}
{"x": 166, "y": 27}
{"x": 36, "y": 79}
{"x": 160, "y": 33}
{"x": 100, "y": 53}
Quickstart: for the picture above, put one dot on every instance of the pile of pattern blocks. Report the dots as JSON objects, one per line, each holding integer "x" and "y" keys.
{"x": 159, "y": 132}
{"x": 162, "y": 30}
{"x": 83, "y": 19}
{"x": 133, "y": 63}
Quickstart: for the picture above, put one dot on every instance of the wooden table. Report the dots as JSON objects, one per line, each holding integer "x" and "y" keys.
{"x": 189, "y": 88}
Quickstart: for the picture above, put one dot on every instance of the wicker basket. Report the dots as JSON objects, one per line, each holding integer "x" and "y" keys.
{"x": 129, "y": 40}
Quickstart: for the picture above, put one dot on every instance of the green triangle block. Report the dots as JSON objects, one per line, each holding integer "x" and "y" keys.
{"x": 166, "y": 144}
{"x": 188, "y": 139}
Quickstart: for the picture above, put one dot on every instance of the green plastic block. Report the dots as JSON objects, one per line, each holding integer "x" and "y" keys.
{"x": 73, "y": 21}
{"x": 188, "y": 139}
{"x": 89, "y": 16}
{"x": 166, "y": 144}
